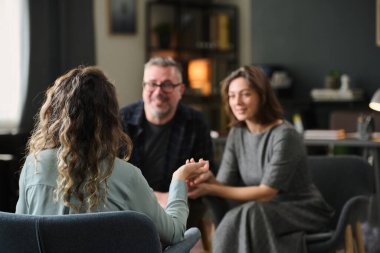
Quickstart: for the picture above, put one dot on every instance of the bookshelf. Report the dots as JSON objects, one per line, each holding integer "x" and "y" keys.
{"x": 193, "y": 30}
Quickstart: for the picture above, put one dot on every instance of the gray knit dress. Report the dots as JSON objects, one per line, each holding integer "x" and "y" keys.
{"x": 276, "y": 158}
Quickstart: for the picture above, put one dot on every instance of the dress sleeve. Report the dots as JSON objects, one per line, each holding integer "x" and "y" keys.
{"x": 287, "y": 157}
{"x": 170, "y": 222}
{"x": 229, "y": 169}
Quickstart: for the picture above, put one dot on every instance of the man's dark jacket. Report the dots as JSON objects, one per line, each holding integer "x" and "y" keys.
{"x": 189, "y": 138}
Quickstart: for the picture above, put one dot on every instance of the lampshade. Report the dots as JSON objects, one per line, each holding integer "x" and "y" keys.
{"x": 375, "y": 101}
{"x": 199, "y": 73}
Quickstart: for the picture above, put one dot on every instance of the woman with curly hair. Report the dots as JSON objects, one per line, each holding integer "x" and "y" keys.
{"x": 72, "y": 164}
{"x": 264, "y": 170}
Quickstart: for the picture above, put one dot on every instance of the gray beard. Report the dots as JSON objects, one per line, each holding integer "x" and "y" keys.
{"x": 160, "y": 114}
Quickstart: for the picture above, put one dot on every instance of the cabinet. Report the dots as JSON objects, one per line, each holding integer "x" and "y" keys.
{"x": 196, "y": 34}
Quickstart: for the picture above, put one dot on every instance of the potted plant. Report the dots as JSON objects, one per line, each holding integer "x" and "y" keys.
{"x": 332, "y": 79}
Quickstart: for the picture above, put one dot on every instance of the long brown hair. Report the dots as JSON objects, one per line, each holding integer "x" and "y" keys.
{"x": 80, "y": 117}
{"x": 269, "y": 109}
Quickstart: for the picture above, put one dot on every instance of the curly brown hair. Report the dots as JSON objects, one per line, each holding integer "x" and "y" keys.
{"x": 80, "y": 117}
{"x": 269, "y": 109}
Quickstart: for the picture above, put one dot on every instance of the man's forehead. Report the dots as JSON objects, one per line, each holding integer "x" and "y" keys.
{"x": 159, "y": 72}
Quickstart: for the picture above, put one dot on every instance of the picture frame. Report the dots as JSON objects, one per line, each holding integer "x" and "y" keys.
{"x": 122, "y": 17}
{"x": 378, "y": 23}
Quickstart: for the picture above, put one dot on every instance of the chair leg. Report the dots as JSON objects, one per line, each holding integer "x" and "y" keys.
{"x": 359, "y": 237}
{"x": 207, "y": 230}
{"x": 348, "y": 240}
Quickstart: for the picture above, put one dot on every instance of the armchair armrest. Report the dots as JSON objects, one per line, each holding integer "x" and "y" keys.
{"x": 192, "y": 235}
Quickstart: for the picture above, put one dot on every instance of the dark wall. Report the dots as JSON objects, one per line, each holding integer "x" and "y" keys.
{"x": 309, "y": 38}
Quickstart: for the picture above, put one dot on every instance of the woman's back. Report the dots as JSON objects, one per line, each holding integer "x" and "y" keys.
{"x": 127, "y": 190}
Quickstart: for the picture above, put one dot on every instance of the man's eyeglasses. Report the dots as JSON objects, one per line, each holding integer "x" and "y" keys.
{"x": 166, "y": 86}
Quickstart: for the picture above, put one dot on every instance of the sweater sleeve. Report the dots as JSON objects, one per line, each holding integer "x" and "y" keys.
{"x": 288, "y": 156}
{"x": 21, "y": 206}
{"x": 170, "y": 222}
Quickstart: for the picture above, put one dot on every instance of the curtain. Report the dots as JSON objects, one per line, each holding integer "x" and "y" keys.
{"x": 61, "y": 37}
{"x": 14, "y": 50}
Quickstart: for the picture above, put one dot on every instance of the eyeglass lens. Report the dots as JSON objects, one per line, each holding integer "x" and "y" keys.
{"x": 166, "y": 86}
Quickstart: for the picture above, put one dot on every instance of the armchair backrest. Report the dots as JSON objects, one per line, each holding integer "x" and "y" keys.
{"x": 18, "y": 233}
{"x": 125, "y": 231}
{"x": 339, "y": 178}
{"x": 99, "y": 232}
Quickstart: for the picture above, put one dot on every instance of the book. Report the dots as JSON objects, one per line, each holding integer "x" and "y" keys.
{"x": 322, "y": 134}
{"x": 214, "y": 31}
{"x": 223, "y": 32}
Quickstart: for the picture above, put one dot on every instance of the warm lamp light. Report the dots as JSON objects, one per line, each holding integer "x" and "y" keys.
{"x": 375, "y": 101}
{"x": 199, "y": 72}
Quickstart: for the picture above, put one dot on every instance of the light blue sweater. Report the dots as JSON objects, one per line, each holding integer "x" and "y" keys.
{"x": 128, "y": 190}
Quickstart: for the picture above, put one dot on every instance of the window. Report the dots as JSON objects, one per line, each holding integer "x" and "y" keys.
{"x": 14, "y": 61}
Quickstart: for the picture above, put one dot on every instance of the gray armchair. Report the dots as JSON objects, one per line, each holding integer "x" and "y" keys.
{"x": 126, "y": 231}
{"x": 347, "y": 184}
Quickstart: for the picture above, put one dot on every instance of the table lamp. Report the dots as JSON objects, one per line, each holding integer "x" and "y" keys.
{"x": 375, "y": 101}
{"x": 199, "y": 73}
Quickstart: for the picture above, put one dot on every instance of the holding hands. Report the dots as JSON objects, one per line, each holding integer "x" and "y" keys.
{"x": 191, "y": 170}
{"x": 201, "y": 184}
{"x": 187, "y": 172}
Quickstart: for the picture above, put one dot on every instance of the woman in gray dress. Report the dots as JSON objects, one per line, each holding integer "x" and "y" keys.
{"x": 264, "y": 170}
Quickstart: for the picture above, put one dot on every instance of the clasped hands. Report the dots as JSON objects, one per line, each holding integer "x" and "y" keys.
{"x": 191, "y": 172}
{"x": 202, "y": 183}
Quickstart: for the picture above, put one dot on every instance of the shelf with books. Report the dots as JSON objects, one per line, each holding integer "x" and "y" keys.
{"x": 188, "y": 26}
{"x": 211, "y": 107}
{"x": 199, "y": 31}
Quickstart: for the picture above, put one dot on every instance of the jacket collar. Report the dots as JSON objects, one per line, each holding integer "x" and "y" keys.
{"x": 138, "y": 114}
